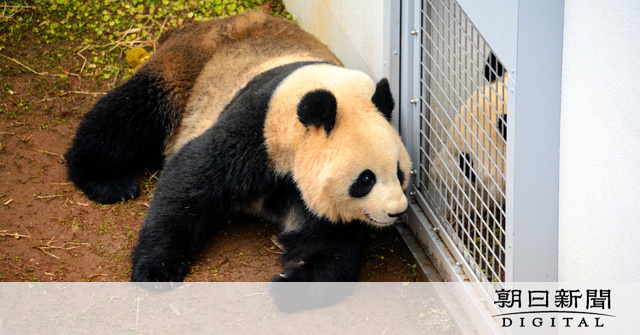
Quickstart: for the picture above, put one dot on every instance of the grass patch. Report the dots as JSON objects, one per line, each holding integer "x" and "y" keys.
{"x": 97, "y": 34}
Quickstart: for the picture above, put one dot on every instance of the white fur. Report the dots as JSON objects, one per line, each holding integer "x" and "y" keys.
{"x": 325, "y": 167}
{"x": 474, "y": 132}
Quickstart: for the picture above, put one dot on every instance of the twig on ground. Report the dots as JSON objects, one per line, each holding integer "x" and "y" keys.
{"x": 153, "y": 176}
{"x": 48, "y": 253}
{"x": 48, "y": 196}
{"x": 83, "y": 57}
{"x": 131, "y": 30}
{"x": 225, "y": 260}
{"x": 274, "y": 240}
{"x": 281, "y": 30}
{"x": 115, "y": 78}
{"x": 65, "y": 246}
{"x": 36, "y": 72}
{"x": 62, "y": 94}
{"x": 52, "y": 154}
{"x": 159, "y": 34}
{"x": 49, "y": 152}
{"x": 273, "y": 251}
{"x": 18, "y": 7}
{"x": 14, "y": 235}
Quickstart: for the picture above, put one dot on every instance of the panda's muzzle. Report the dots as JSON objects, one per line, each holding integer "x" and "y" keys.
{"x": 397, "y": 214}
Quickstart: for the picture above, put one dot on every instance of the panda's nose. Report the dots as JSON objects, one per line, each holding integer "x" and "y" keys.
{"x": 397, "y": 214}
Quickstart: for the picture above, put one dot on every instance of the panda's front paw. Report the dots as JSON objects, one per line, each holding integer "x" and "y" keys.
{"x": 149, "y": 272}
{"x": 295, "y": 272}
{"x": 292, "y": 274}
{"x": 108, "y": 191}
{"x": 116, "y": 190}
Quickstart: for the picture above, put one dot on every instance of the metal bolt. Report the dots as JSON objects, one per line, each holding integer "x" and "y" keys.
{"x": 436, "y": 229}
{"x": 395, "y": 52}
{"x": 413, "y": 172}
{"x": 412, "y": 194}
{"x": 414, "y": 32}
{"x": 458, "y": 263}
{"x": 413, "y": 101}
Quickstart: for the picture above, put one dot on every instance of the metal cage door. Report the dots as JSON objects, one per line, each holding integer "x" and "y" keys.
{"x": 484, "y": 191}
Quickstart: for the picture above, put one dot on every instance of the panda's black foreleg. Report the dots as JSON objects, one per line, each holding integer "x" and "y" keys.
{"x": 168, "y": 242}
{"x": 182, "y": 213}
{"x": 322, "y": 251}
{"x": 197, "y": 188}
{"x": 189, "y": 199}
{"x": 124, "y": 132}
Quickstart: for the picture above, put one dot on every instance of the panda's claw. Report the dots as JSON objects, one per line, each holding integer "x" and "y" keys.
{"x": 291, "y": 274}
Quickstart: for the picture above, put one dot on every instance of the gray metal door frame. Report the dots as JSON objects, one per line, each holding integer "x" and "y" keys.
{"x": 529, "y": 42}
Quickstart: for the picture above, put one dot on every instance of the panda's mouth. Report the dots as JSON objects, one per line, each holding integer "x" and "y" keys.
{"x": 374, "y": 221}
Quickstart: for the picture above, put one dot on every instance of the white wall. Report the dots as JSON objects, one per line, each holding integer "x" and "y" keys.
{"x": 599, "y": 177}
{"x": 599, "y": 232}
{"x": 353, "y": 29}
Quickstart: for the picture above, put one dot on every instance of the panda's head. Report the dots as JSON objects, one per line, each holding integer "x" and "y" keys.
{"x": 329, "y": 128}
{"x": 480, "y": 135}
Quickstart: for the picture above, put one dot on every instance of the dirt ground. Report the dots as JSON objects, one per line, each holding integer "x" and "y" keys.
{"x": 50, "y": 231}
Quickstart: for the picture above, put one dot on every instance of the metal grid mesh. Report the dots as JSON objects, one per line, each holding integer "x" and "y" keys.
{"x": 463, "y": 137}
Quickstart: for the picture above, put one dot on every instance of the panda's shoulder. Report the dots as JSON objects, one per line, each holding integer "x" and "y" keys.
{"x": 256, "y": 95}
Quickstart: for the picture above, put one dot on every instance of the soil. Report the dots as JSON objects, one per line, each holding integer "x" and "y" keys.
{"x": 50, "y": 231}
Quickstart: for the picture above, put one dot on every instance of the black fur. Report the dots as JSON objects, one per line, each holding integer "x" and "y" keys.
{"x": 318, "y": 108}
{"x": 493, "y": 69}
{"x": 363, "y": 185}
{"x": 124, "y": 132}
{"x": 319, "y": 250}
{"x": 400, "y": 175}
{"x": 502, "y": 126}
{"x": 228, "y": 167}
{"x": 466, "y": 165}
{"x": 322, "y": 251}
{"x": 383, "y": 99}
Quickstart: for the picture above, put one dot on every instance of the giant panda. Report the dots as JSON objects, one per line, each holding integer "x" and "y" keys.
{"x": 247, "y": 114}
{"x": 470, "y": 165}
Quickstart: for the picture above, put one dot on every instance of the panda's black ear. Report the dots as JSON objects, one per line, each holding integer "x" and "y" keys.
{"x": 382, "y": 98}
{"x": 318, "y": 108}
{"x": 493, "y": 69}
{"x": 502, "y": 126}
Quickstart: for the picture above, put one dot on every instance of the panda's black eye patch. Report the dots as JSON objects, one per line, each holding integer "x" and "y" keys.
{"x": 400, "y": 175}
{"x": 363, "y": 185}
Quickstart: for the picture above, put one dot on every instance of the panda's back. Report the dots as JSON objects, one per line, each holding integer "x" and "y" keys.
{"x": 244, "y": 48}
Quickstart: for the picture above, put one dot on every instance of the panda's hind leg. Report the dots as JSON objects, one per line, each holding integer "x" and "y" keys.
{"x": 124, "y": 132}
